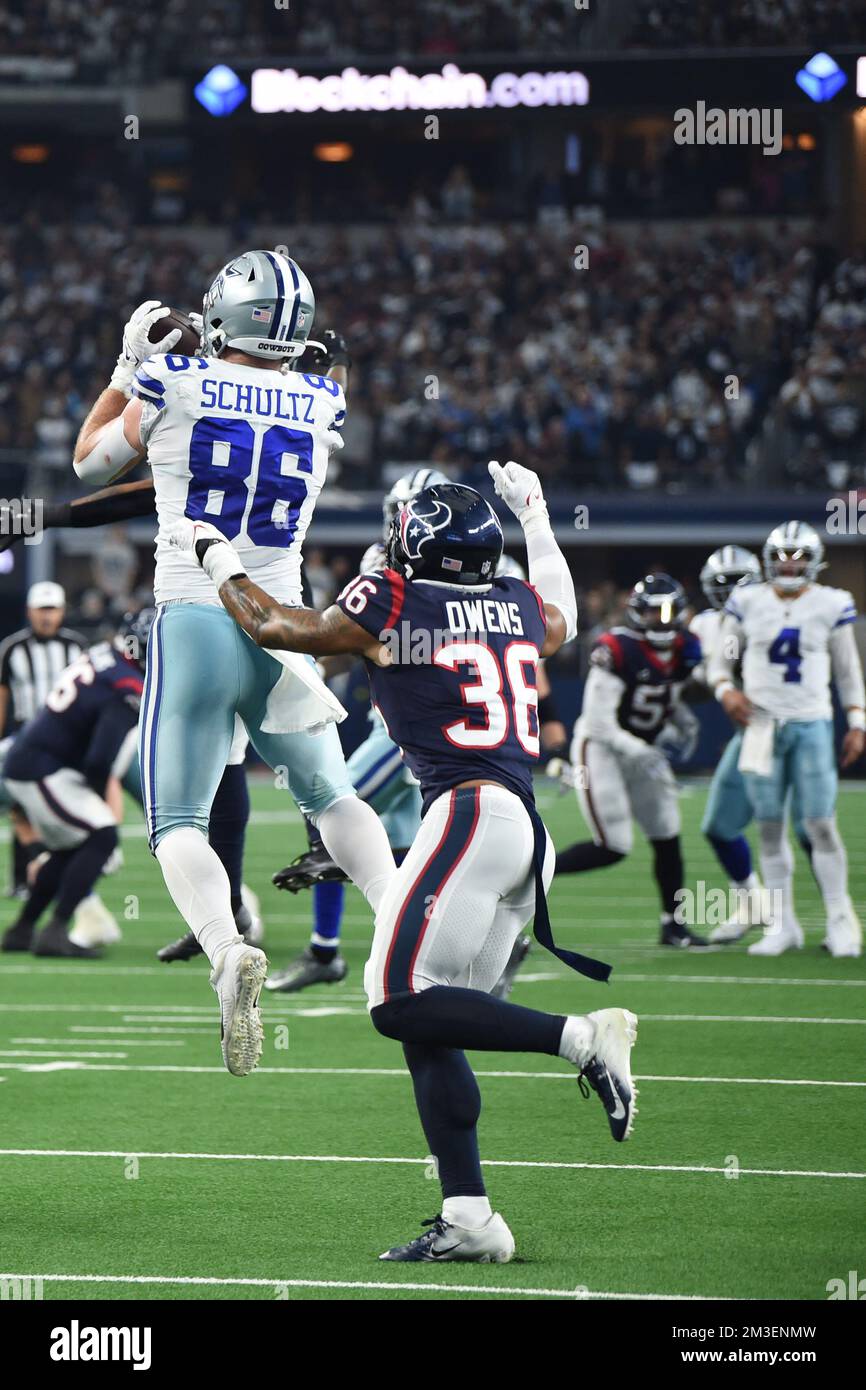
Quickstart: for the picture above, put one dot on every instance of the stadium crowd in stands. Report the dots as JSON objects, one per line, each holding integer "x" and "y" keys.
{"x": 654, "y": 366}
{"x": 156, "y": 38}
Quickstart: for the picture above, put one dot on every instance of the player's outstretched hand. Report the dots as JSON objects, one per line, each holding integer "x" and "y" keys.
{"x": 137, "y": 345}
{"x": 852, "y": 747}
{"x": 334, "y": 352}
{"x": 197, "y": 322}
{"x": 519, "y": 488}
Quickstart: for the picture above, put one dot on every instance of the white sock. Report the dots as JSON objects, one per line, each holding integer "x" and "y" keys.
{"x": 829, "y": 862}
{"x": 578, "y": 1036}
{"x": 355, "y": 838}
{"x": 471, "y": 1212}
{"x": 199, "y": 886}
{"x": 777, "y": 869}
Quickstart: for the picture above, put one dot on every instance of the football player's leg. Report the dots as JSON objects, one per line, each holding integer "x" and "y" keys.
{"x": 316, "y": 772}
{"x": 320, "y": 963}
{"x": 816, "y": 782}
{"x": 726, "y": 815}
{"x": 186, "y": 730}
{"x": 656, "y": 809}
{"x": 603, "y": 800}
{"x": 768, "y": 795}
{"x": 474, "y": 849}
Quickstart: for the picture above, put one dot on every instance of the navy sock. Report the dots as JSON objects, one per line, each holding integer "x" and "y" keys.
{"x": 228, "y": 823}
{"x": 82, "y": 870}
{"x": 668, "y": 868}
{"x": 445, "y": 1016}
{"x": 577, "y": 859}
{"x": 45, "y": 886}
{"x": 449, "y": 1103}
{"x": 734, "y": 856}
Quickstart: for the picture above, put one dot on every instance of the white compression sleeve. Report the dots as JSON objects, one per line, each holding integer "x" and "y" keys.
{"x": 111, "y": 452}
{"x": 199, "y": 886}
{"x": 548, "y": 572}
{"x": 847, "y": 671}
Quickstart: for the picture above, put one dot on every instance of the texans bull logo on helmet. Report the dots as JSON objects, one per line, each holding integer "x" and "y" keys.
{"x": 419, "y": 522}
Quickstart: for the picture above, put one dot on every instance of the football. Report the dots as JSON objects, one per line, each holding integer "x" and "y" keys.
{"x": 190, "y": 340}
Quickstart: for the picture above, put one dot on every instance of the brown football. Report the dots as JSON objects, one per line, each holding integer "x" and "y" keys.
{"x": 189, "y": 341}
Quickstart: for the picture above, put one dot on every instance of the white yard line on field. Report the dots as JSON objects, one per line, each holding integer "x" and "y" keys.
{"x": 381, "y": 1286}
{"x": 208, "y": 1157}
{"x": 402, "y": 1073}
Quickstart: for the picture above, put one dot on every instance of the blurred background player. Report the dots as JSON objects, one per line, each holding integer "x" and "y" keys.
{"x": 258, "y": 474}
{"x": 477, "y": 871}
{"x": 630, "y": 701}
{"x": 64, "y": 769}
{"x": 791, "y": 635}
{"x": 728, "y": 809}
{"x": 30, "y": 664}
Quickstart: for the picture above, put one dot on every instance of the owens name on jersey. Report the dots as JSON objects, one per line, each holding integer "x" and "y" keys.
{"x": 651, "y": 679}
{"x": 461, "y": 699}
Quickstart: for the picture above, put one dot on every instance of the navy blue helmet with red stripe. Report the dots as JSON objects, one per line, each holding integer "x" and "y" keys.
{"x": 448, "y": 533}
{"x": 657, "y": 608}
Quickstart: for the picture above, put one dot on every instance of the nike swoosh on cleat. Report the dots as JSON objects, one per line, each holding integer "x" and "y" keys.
{"x": 619, "y": 1112}
{"x": 437, "y": 1254}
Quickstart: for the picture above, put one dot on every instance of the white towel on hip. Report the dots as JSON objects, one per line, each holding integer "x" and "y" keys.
{"x": 756, "y": 753}
{"x": 300, "y": 700}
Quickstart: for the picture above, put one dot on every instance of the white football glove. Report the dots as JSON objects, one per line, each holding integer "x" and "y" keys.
{"x": 137, "y": 345}
{"x": 519, "y": 488}
{"x": 219, "y": 560}
{"x": 679, "y": 735}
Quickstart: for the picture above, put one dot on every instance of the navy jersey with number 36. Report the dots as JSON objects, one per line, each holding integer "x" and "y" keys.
{"x": 461, "y": 698}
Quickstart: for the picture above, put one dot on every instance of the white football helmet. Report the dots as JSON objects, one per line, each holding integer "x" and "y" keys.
{"x": 374, "y": 558}
{"x": 793, "y": 555}
{"x": 725, "y": 569}
{"x": 405, "y": 489}
{"x": 509, "y": 568}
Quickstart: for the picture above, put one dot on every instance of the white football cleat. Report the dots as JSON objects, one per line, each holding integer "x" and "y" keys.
{"x": 777, "y": 940}
{"x": 93, "y": 924}
{"x": 238, "y": 975}
{"x": 752, "y": 910}
{"x": 489, "y": 1244}
{"x": 844, "y": 932}
{"x": 255, "y": 932}
{"x": 608, "y": 1070}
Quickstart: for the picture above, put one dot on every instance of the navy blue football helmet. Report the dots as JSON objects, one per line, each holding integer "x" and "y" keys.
{"x": 448, "y": 533}
{"x": 656, "y": 608}
{"x": 133, "y": 632}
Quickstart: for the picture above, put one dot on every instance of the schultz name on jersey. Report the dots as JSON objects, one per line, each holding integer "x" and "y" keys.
{"x": 651, "y": 679}
{"x": 245, "y": 448}
{"x": 471, "y": 710}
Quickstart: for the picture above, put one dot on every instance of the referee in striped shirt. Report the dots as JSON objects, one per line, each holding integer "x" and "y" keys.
{"x": 30, "y": 663}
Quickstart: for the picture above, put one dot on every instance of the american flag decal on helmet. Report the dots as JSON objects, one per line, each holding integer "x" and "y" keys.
{"x": 262, "y": 315}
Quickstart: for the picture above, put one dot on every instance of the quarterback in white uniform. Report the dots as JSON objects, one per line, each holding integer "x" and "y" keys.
{"x": 239, "y": 442}
{"x": 792, "y": 635}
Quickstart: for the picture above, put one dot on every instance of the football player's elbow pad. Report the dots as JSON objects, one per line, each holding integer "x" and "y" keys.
{"x": 111, "y": 452}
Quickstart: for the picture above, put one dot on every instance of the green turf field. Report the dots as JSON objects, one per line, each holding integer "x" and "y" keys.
{"x": 131, "y": 1158}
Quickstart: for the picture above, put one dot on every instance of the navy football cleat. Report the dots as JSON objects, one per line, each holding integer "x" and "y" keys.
{"x": 673, "y": 933}
{"x": 308, "y": 970}
{"x": 608, "y": 1071}
{"x": 491, "y": 1243}
{"x": 311, "y": 867}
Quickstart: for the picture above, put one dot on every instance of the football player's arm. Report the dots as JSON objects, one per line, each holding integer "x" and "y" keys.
{"x": 103, "y": 508}
{"x": 4, "y": 707}
{"x": 333, "y": 359}
{"x": 109, "y": 442}
{"x": 720, "y": 670}
{"x": 553, "y": 732}
{"x": 848, "y": 675}
{"x": 269, "y": 624}
{"x": 602, "y": 696}
{"x": 549, "y": 574}
{"x": 108, "y": 738}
